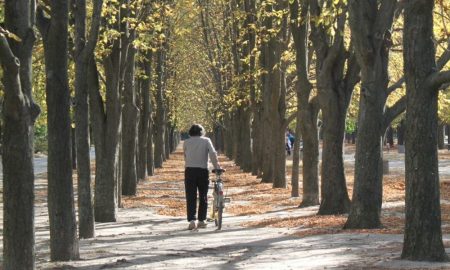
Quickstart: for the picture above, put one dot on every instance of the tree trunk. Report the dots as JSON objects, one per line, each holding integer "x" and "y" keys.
{"x": 73, "y": 148}
{"x": 83, "y": 51}
{"x": 167, "y": 141}
{"x": 228, "y": 138}
{"x": 19, "y": 114}
{"x": 368, "y": 188}
{"x": 373, "y": 57}
{"x": 144, "y": 123}
{"x": 160, "y": 112}
{"x": 307, "y": 110}
{"x": 257, "y": 138}
{"x": 309, "y": 132}
{"x": 150, "y": 152}
{"x": 280, "y": 127}
{"x": 245, "y": 138}
{"x": 63, "y": 228}
{"x": 270, "y": 86}
{"x": 106, "y": 177}
{"x": 130, "y": 114}
{"x": 106, "y": 135}
{"x": 423, "y": 236}
{"x": 335, "y": 198}
{"x": 337, "y": 74}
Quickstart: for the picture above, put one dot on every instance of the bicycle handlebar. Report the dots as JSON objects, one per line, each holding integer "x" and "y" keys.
{"x": 218, "y": 171}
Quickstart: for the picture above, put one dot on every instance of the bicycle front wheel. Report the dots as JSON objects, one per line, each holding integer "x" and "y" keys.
{"x": 219, "y": 217}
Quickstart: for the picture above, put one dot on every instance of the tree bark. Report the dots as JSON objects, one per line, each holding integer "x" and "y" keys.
{"x": 129, "y": 128}
{"x": 257, "y": 138}
{"x": 335, "y": 85}
{"x": 19, "y": 114}
{"x": 63, "y": 229}
{"x": 160, "y": 111}
{"x": 145, "y": 118}
{"x": 372, "y": 41}
{"x": 150, "y": 150}
{"x": 83, "y": 51}
{"x": 106, "y": 117}
{"x": 167, "y": 140}
{"x": 307, "y": 111}
{"x": 423, "y": 235}
{"x": 335, "y": 198}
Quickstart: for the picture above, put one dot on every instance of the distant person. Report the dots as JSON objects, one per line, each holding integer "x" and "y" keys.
{"x": 196, "y": 175}
{"x": 288, "y": 144}
{"x": 291, "y": 138}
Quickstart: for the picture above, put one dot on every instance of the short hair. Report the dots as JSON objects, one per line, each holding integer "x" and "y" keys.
{"x": 196, "y": 130}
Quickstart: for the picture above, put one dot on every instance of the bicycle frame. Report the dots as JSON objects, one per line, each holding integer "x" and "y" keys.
{"x": 219, "y": 201}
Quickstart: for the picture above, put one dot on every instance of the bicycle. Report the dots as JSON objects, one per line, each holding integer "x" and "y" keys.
{"x": 219, "y": 199}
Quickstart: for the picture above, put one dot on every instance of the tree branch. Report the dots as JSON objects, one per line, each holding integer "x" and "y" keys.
{"x": 395, "y": 86}
{"x": 42, "y": 22}
{"x": 95, "y": 27}
{"x": 385, "y": 17}
{"x": 289, "y": 119}
{"x": 7, "y": 58}
{"x": 445, "y": 57}
{"x": 392, "y": 112}
{"x": 439, "y": 78}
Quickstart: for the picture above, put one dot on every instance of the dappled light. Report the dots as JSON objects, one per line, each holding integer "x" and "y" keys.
{"x": 323, "y": 126}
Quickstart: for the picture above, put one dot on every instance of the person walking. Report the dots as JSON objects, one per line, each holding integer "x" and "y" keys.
{"x": 196, "y": 175}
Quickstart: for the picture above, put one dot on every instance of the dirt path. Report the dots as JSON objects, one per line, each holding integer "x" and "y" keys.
{"x": 263, "y": 229}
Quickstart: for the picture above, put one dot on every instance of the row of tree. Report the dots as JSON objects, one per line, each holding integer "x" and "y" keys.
{"x": 113, "y": 57}
{"x": 247, "y": 69}
{"x": 272, "y": 62}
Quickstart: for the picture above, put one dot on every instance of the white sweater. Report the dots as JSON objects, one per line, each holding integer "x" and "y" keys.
{"x": 196, "y": 151}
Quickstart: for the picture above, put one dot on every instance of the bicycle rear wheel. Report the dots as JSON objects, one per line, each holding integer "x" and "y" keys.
{"x": 219, "y": 217}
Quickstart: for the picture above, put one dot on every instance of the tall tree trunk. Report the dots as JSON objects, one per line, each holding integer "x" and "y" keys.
{"x": 150, "y": 150}
{"x": 334, "y": 104}
{"x": 145, "y": 118}
{"x": 334, "y": 194}
{"x": 245, "y": 139}
{"x": 281, "y": 125}
{"x": 107, "y": 120}
{"x": 310, "y": 160}
{"x": 19, "y": 114}
{"x": 270, "y": 88}
{"x": 160, "y": 111}
{"x": 228, "y": 140}
{"x": 73, "y": 148}
{"x": 167, "y": 141}
{"x": 373, "y": 57}
{"x": 335, "y": 85}
{"x": 83, "y": 51}
{"x": 63, "y": 228}
{"x": 257, "y": 138}
{"x": 129, "y": 128}
{"x": 423, "y": 235}
{"x": 308, "y": 110}
{"x": 106, "y": 177}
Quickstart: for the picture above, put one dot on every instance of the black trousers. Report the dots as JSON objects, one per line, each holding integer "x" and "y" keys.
{"x": 196, "y": 179}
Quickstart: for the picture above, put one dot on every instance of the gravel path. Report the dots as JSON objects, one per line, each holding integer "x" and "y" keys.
{"x": 142, "y": 239}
